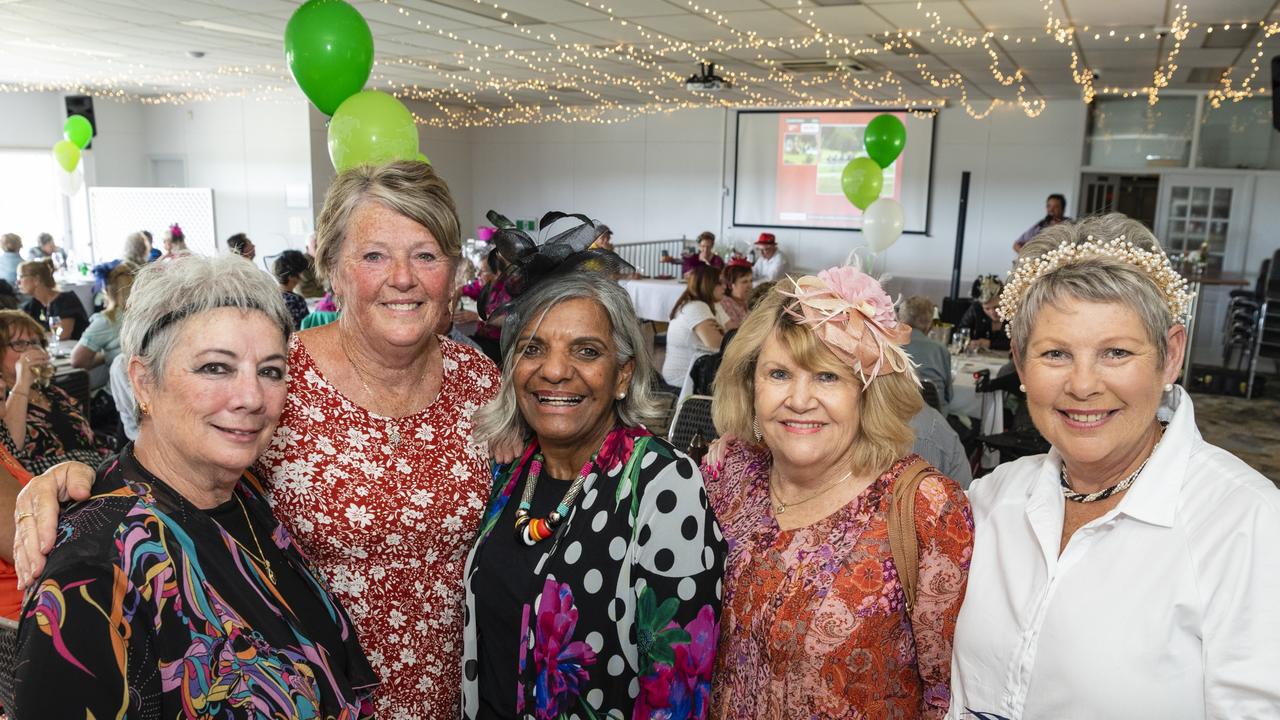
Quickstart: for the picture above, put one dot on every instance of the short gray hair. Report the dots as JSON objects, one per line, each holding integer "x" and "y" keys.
{"x": 501, "y": 417}
{"x": 1095, "y": 278}
{"x": 168, "y": 295}
{"x": 917, "y": 311}
{"x": 137, "y": 249}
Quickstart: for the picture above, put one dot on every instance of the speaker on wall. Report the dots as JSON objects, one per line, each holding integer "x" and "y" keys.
{"x": 82, "y": 105}
{"x": 1275, "y": 92}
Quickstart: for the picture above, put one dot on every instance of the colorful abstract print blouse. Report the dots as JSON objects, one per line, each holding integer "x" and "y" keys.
{"x": 622, "y": 618}
{"x": 148, "y": 609}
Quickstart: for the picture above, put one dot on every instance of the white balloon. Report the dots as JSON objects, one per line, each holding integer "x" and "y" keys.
{"x": 882, "y": 224}
{"x": 70, "y": 182}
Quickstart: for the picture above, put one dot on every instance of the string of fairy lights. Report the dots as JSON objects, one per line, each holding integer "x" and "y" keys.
{"x": 488, "y": 85}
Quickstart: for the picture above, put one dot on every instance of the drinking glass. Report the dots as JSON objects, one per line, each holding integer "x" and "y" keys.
{"x": 55, "y": 329}
{"x": 43, "y": 373}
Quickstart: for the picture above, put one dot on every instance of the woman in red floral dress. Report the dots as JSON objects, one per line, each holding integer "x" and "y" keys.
{"x": 816, "y": 622}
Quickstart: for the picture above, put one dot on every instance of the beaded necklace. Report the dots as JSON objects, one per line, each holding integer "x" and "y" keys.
{"x": 1105, "y": 493}
{"x": 532, "y": 530}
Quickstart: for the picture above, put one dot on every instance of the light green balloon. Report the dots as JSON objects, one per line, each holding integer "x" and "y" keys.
{"x": 78, "y": 130}
{"x": 371, "y": 127}
{"x": 422, "y": 158}
{"x": 862, "y": 181}
{"x": 67, "y": 154}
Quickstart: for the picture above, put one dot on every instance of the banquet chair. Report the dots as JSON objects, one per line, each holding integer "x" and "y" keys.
{"x": 932, "y": 397}
{"x": 693, "y": 417}
{"x": 1020, "y": 436}
{"x": 8, "y": 654}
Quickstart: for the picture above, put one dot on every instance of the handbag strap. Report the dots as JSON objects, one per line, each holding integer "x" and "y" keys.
{"x": 902, "y": 527}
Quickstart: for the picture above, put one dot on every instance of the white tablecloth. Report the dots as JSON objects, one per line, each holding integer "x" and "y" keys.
{"x": 653, "y": 298}
{"x": 965, "y": 400}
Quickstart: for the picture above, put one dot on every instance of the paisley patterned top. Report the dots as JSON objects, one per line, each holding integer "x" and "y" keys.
{"x": 620, "y": 616}
{"x": 149, "y": 608}
{"x": 387, "y": 508}
{"x": 815, "y": 623}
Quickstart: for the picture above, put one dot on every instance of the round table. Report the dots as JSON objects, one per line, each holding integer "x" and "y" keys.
{"x": 654, "y": 299}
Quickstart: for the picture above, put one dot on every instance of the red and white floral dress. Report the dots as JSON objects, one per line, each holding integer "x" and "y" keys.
{"x": 388, "y": 508}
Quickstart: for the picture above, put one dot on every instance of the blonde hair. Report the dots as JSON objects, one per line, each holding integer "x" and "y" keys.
{"x": 410, "y": 188}
{"x": 886, "y": 406}
{"x": 13, "y": 322}
{"x": 41, "y": 270}
{"x": 119, "y": 284}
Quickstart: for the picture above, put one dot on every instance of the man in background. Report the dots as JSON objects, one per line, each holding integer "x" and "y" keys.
{"x": 1055, "y": 208}
{"x": 770, "y": 264}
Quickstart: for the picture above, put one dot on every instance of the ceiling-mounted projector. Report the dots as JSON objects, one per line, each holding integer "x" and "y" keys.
{"x": 706, "y": 80}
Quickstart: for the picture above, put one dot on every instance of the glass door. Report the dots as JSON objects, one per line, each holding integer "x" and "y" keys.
{"x": 1205, "y": 216}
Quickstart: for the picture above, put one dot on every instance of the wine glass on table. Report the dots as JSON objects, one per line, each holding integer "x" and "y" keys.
{"x": 55, "y": 329}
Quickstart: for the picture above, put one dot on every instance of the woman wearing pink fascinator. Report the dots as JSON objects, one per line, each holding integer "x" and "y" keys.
{"x": 848, "y": 555}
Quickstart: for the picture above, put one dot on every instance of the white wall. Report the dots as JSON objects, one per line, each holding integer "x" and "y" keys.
{"x": 651, "y": 178}
{"x": 250, "y": 153}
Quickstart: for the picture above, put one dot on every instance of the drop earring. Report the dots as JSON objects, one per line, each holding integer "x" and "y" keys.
{"x": 755, "y": 427}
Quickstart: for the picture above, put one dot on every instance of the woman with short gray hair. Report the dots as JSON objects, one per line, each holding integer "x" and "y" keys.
{"x": 374, "y": 468}
{"x": 1121, "y": 575}
{"x": 593, "y": 589}
{"x": 242, "y": 625}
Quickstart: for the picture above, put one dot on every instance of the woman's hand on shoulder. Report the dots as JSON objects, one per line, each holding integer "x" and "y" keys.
{"x": 717, "y": 451}
{"x": 36, "y": 515}
{"x": 505, "y": 450}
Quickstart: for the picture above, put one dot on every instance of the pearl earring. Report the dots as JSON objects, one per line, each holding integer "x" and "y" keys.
{"x": 622, "y": 396}
{"x": 1168, "y": 387}
{"x": 1022, "y": 388}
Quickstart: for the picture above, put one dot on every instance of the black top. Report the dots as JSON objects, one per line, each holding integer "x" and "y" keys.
{"x": 505, "y": 578}
{"x": 149, "y": 608}
{"x": 980, "y": 327}
{"x": 65, "y": 305}
{"x": 298, "y": 309}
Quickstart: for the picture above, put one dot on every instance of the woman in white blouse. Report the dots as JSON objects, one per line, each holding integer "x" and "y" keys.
{"x": 1130, "y": 572}
{"x": 693, "y": 330}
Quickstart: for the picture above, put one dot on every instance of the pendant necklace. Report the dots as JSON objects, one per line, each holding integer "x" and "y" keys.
{"x": 392, "y": 424}
{"x": 781, "y": 507}
{"x": 261, "y": 557}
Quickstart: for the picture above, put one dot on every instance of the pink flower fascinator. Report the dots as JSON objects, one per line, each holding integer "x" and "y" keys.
{"x": 853, "y": 316}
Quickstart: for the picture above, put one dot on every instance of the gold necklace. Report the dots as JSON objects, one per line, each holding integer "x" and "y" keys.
{"x": 781, "y": 507}
{"x": 393, "y": 428}
{"x": 261, "y": 557}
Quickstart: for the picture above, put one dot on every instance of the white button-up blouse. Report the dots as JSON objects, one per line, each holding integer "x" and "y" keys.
{"x": 1166, "y": 607}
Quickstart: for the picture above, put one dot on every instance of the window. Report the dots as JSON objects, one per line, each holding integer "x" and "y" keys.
{"x": 29, "y": 199}
{"x": 1238, "y": 135}
{"x": 1129, "y": 133}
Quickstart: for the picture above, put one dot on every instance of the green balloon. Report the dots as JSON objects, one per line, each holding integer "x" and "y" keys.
{"x": 422, "y": 158}
{"x": 884, "y": 139}
{"x": 329, "y": 49}
{"x": 67, "y": 154}
{"x": 861, "y": 181}
{"x": 371, "y": 127}
{"x": 78, "y": 130}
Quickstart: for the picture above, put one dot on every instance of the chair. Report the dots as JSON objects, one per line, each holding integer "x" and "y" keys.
{"x": 692, "y": 417}
{"x": 932, "y": 397}
{"x": 1266, "y": 330}
{"x": 1020, "y": 436}
{"x": 8, "y": 655}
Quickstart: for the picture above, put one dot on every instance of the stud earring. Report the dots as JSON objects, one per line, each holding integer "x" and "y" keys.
{"x": 144, "y": 408}
{"x": 1168, "y": 387}
{"x": 1022, "y": 388}
{"x": 755, "y": 427}
{"x": 622, "y": 396}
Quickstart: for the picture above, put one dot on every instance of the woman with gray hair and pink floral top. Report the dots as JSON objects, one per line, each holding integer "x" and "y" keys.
{"x": 820, "y": 620}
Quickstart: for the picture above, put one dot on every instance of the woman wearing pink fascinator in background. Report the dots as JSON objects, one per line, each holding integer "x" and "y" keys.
{"x": 824, "y": 615}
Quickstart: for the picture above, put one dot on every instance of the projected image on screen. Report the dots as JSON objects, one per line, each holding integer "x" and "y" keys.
{"x": 789, "y": 166}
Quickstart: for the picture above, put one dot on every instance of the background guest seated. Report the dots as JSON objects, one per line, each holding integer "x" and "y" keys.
{"x": 693, "y": 330}
{"x": 933, "y": 362}
{"x": 10, "y": 258}
{"x": 288, "y": 269}
{"x": 732, "y": 308}
{"x": 985, "y": 326}
{"x": 704, "y": 257}
{"x": 35, "y": 279}
{"x": 100, "y": 343}
{"x": 43, "y": 426}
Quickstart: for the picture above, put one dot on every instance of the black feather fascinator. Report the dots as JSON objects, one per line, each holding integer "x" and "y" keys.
{"x": 530, "y": 263}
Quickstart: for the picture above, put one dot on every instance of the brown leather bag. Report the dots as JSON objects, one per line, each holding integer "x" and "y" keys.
{"x": 902, "y": 527}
